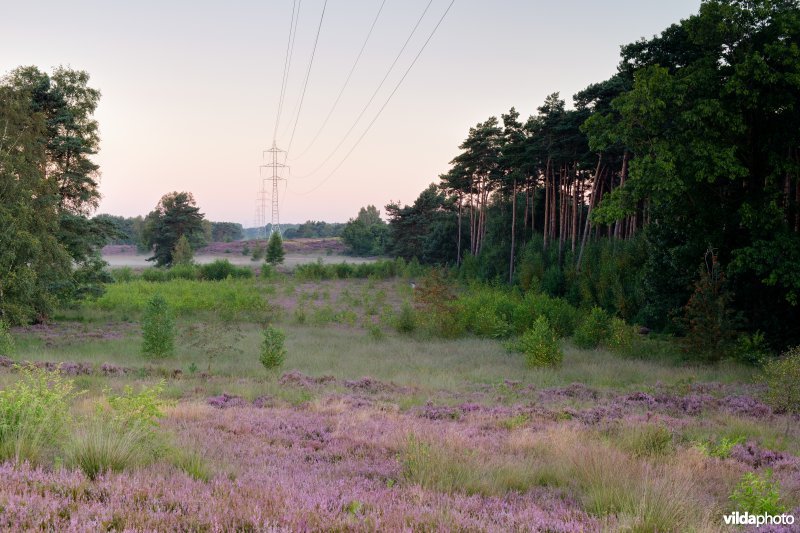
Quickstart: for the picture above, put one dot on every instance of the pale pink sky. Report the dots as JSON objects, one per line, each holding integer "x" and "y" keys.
{"x": 190, "y": 88}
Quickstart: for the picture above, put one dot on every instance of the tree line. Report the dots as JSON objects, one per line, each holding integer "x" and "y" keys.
{"x": 684, "y": 165}
{"x": 132, "y": 231}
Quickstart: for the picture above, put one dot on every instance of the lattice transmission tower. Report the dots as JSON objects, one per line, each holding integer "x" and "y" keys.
{"x": 273, "y": 175}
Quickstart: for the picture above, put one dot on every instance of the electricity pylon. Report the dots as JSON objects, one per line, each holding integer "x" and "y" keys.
{"x": 274, "y": 176}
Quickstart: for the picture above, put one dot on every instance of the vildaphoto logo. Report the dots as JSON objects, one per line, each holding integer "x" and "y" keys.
{"x": 746, "y": 519}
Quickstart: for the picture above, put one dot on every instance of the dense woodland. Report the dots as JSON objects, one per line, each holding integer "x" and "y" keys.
{"x": 675, "y": 178}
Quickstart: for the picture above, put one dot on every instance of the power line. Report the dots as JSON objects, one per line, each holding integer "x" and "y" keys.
{"x": 344, "y": 86}
{"x": 374, "y": 94}
{"x": 287, "y": 62}
{"x": 308, "y": 74}
{"x": 320, "y": 184}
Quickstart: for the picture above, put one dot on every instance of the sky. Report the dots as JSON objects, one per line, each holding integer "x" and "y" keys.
{"x": 190, "y": 89}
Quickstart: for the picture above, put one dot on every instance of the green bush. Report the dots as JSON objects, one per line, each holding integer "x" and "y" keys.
{"x": 7, "y": 345}
{"x": 273, "y": 352}
{"x": 782, "y": 377}
{"x": 621, "y": 338}
{"x": 561, "y": 316}
{"x": 182, "y": 254}
{"x": 223, "y": 269}
{"x": 158, "y": 329}
{"x": 183, "y": 271}
{"x": 758, "y": 494}
{"x": 122, "y": 274}
{"x": 155, "y": 274}
{"x": 34, "y": 413}
{"x": 540, "y": 345}
{"x": 268, "y": 271}
{"x": 406, "y": 320}
{"x": 752, "y": 349}
{"x": 595, "y": 329}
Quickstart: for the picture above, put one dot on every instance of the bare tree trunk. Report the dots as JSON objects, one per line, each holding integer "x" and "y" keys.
{"x": 546, "y": 233}
{"x": 458, "y": 249}
{"x": 592, "y": 199}
{"x": 513, "y": 230}
{"x": 623, "y": 176}
{"x": 574, "y": 229}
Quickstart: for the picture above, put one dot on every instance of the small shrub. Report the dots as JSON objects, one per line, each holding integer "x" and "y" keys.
{"x": 154, "y": 274}
{"x": 710, "y": 323}
{"x": 540, "y": 345}
{"x": 621, "y": 337}
{"x": 273, "y": 352}
{"x": 758, "y": 494}
{"x": 315, "y": 271}
{"x": 561, "y": 316}
{"x": 34, "y": 413}
{"x": 158, "y": 329}
{"x": 258, "y": 253}
{"x": 375, "y": 332}
{"x": 182, "y": 254}
{"x": 752, "y": 349}
{"x": 7, "y": 345}
{"x": 122, "y": 274}
{"x": 183, "y": 271}
{"x": 268, "y": 271}
{"x": 595, "y": 329}
{"x": 783, "y": 384}
{"x": 721, "y": 449}
{"x": 223, "y": 269}
{"x": 406, "y": 321}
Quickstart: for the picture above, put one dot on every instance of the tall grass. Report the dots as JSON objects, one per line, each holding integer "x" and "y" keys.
{"x": 34, "y": 413}
{"x": 638, "y": 494}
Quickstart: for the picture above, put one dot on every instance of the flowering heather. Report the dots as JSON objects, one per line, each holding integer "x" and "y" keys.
{"x": 224, "y": 401}
{"x": 577, "y": 391}
{"x": 279, "y": 469}
{"x": 745, "y": 405}
{"x": 298, "y": 379}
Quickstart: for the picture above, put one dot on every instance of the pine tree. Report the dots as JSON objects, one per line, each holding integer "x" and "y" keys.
{"x": 275, "y": 252}
{"x": 182, "y": 254}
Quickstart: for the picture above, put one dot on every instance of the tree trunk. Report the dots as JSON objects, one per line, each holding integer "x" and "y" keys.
{"x": 592, "y": 199}
{"x": 513, "y": 230}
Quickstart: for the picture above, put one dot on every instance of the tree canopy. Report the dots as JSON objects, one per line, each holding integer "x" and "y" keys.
{"x": 175, "y": 216}
{"x": 48, "y": 187}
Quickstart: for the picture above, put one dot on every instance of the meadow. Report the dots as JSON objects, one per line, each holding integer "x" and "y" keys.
{"x": 405, "y": 402}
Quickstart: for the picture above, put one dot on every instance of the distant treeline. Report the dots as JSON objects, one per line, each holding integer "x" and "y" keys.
{"x": 130, "y": 230}
{"x": 306, "y": 230}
